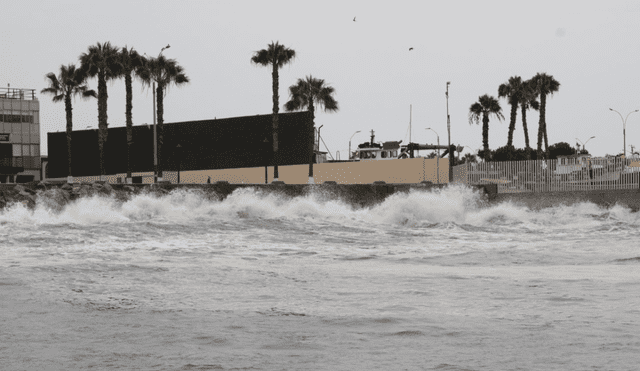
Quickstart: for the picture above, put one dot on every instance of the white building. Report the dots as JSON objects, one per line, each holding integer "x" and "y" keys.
{"x": 19, "y": 135}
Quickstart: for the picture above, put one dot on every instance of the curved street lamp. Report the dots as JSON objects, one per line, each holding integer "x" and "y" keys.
{"x": 583, "y": 144}
{"x": 624, "y": 128}
{"x": 350, "y": 143}
{"x": 437, "y": 157}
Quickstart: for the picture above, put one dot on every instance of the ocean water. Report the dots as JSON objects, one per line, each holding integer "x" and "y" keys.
{"x": 423, "y": 281}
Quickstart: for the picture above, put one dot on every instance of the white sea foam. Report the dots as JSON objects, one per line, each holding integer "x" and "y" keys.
{"x": 417, "y": 208}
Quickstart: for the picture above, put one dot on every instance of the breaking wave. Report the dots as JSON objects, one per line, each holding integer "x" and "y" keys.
{"x": 446, "y": 207}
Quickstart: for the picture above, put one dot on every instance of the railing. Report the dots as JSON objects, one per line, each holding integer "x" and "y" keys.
{"x": 580, "y": 174}
{"x": 18, "y": 93}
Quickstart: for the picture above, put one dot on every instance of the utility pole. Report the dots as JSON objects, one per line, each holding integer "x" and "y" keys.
{"x": 449, "y": 132}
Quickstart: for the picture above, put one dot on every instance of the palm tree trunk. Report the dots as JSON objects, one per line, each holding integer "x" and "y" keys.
{"x": 275, "y": 82}
{"x": 311, "y": 142}
{"x": 160, "y": 111}
{"x": 524, "y": 126}
{"x": 543, "y": 102}
{"x": 102, "y": 119}
{"x": 512, "y": 123}
{"x": 129, "y": 106}
{"x": 546, "y": 141}
{"x": 68, "y": 109}
{"x": 485, "y": 135}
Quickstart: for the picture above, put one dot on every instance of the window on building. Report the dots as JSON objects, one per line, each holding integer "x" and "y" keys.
{"x": 17, "y": 150}
{"x": 17, "y": 118}
{"x": 35, "y": 150}
{"x": 383, "y": 154}
{"x": 25, "y": 150}
{"x": 16, "y": 129}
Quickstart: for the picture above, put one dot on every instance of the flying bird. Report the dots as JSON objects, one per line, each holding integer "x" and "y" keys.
{"x": 410, "y": 48}
{"x": 354, "y": 19}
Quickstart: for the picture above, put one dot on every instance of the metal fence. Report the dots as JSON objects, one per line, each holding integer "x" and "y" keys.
{"x": 564, "y": 174}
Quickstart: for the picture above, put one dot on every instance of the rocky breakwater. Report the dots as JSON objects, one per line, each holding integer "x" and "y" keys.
{"x": 56, "y": 195}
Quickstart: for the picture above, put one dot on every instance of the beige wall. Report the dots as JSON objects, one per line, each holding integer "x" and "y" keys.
{"x": 411, "y": 170}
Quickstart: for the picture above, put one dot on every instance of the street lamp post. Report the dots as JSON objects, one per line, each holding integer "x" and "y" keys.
{"x": 350, "y": 143}
{"x": 449, "y": 133}
{"x": 155, "y": 135}
{"x": 624, "y": 131}
{"x": 437, "y": 156}
{"x": 583, "y": 144}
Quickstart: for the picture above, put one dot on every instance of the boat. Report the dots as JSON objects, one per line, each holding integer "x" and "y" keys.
{"x": 391, "y": 150}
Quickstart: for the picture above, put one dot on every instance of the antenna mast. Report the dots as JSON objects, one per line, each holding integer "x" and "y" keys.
{"x": 410, "y": 123}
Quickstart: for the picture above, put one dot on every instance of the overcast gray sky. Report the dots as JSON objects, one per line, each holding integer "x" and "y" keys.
{"x": 588, "y": 47}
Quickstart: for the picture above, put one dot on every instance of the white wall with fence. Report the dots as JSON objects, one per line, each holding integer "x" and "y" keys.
{"x": 564, "y": 174}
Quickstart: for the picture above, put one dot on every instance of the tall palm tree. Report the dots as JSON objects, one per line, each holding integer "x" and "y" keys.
{"x": 164, "y": 72}
{"x": 511, "y": 90}
{"x": 545, "y": 85}
{"x": 528, "y": 100}
{"x": 130, "y": 63}
{"x": 485, "y": 107}
{"x": 309, "y": 93}
{"x": 277, "y": 56}
{"x": 70, "y": 82}
{"x": 101, "y": 61}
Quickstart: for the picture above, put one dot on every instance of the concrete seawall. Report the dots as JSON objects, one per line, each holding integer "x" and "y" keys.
{"x": 539, "y": 200}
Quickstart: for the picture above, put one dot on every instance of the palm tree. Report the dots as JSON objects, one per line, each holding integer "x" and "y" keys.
{"x": 130, "y": 62}
{"x": 545, "y": 85}
{"x": 101, "y": 60}
{"x": 69, "y": 83}
{"x": 485, "y": 107}
{"x": 511, "y": 90}
{"x": 307, "y": 93}
{"x": 277, "y": 56}
{"x": 528, "y": 100}
{"x": 164, "y": 72}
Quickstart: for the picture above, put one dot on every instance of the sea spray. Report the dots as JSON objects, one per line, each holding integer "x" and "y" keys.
{"x": 437, "y": 208}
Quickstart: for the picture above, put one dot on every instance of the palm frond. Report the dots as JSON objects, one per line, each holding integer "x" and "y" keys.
{"x": 535, "y": 105}
{"x": 261, "y": 57}
{"x": 53, "y": 83}
{"x": 475, "y": 113}
{"x": 87, "y": 93}
{"x": 545, "y": 84}
{"x": 58, "y": 98}
{"x": 311, "y": 90}
{"x": 275, "y": 54}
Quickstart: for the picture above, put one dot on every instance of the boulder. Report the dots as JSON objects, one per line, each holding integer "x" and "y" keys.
{"x": 106, "y": 189}
{"x": 26, "y": 199}
{"x": 55, "y": 198}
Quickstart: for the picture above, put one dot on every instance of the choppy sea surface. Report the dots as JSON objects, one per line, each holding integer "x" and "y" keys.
{"x": 423, "y": 281}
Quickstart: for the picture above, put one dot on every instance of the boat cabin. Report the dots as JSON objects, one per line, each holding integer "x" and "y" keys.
{"x": 371, "y": 151}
